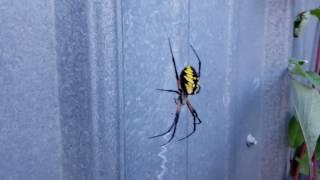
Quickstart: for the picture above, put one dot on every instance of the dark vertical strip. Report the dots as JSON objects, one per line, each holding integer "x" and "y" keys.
{"x": 103, "y": 58}
{"x": 315, "y": 50}
{"x": 189, "y": 118}
{"x": 275, "y": 86}
{"x": 231, "y": 88}
{"x": 120, "y": 85}
{"x": 72, "y": 48}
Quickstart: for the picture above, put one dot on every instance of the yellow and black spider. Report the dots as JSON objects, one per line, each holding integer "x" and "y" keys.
{"x": 187, "y": 84}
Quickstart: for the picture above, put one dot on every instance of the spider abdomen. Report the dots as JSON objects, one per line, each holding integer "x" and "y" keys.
{"x": 189, "y": 81}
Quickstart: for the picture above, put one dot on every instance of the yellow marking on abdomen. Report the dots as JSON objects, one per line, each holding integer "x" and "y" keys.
{"x": 189, "y": 78}
{"x": 188, "y": 70}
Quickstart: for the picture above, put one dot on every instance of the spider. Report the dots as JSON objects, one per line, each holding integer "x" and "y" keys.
{"x": 187, "y": 84}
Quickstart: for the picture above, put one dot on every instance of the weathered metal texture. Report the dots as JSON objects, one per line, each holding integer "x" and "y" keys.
{"x": 78, "y": 97}
{"x": 30, "y": 131}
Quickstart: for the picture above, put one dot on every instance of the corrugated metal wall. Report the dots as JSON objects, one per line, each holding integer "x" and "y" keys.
{"x": 78, "y": 80}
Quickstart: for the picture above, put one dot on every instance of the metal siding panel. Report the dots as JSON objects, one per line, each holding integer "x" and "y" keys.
{"x": 210, "y": 31}
{"x": 74, "y": 88}
{"x": 29, "y": 111}
{"x": 273, "y": 148}
{"x": 147, "y": 66}
{"x": 248, "y": 67}
{"x": 104, "y": 84}
{"x": 111, "y": 55}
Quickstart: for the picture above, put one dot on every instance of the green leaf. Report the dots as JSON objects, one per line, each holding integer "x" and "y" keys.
{"x": 295, "y": 133}
{"x": 298, "y": 70}
{"x": 315, "y": 12}
{"x": 295, "y": 67}
{"x": 303, "y": 163}
{"x": 306, "y": 103}
{"x": 300, "y": 21}
{"x": 313, "y": 77}
{"x": 317, "y": 150}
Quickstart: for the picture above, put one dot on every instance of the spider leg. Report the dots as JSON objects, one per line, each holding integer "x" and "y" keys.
{"x": 174, "y": 64}
{"x": 173, "y": 125}
{"x": 166, "y": 132}
{"x": 193, "y": 112}
{"x": 195, "y": 52}
{"x": 169, "y": 90}
{"x": 193, "y": 131}
{"x": 195, "y": 118}
{"x": 176, "y": 118}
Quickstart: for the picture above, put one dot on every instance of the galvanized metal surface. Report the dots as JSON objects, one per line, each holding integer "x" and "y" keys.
{"x": 78, "y": 82}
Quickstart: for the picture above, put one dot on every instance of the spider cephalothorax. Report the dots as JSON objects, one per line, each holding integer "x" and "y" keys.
{"x": 187, "y": 84}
